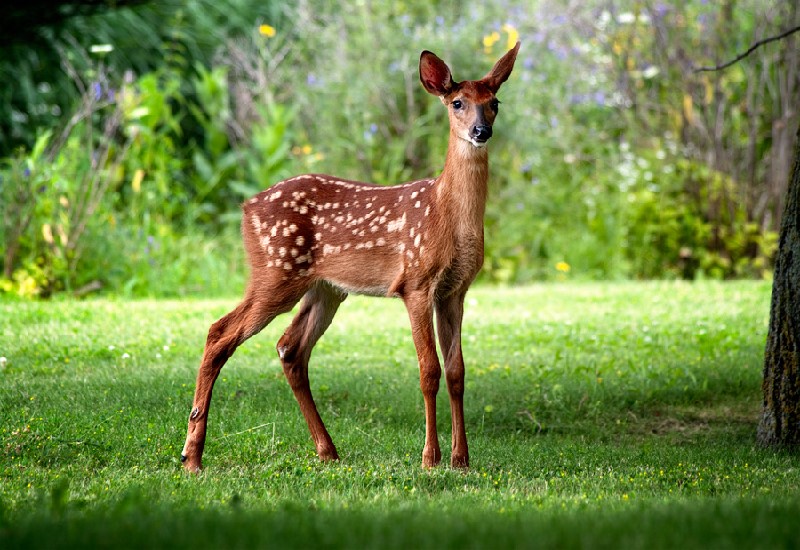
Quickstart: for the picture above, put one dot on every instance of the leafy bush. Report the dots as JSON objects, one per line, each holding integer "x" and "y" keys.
{"x": 600, "y": 161}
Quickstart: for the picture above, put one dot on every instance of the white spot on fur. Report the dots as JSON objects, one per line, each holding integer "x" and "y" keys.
{"x": 397, "y": 225}
{"x": 299, "y": 241}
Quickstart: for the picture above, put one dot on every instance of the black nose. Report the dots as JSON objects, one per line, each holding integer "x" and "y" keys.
{"x": 481, "y": 133}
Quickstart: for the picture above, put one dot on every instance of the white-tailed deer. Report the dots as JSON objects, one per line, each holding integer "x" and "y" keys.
{"x": 319, "y": 238}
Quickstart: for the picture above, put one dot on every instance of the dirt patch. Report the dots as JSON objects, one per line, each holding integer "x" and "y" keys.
{"x": 694, "y": 420}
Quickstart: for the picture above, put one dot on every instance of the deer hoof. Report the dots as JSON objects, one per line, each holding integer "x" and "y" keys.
{"x": 191, "y": 466}
{"x": 431, "y": 458}
{"x": 327, "y": 455}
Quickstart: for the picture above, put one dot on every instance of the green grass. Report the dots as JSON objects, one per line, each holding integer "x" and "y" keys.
{"x": 599, "y": 415}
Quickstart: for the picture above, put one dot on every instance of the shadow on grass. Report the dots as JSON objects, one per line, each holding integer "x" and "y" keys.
{"x": 133, "y": 523}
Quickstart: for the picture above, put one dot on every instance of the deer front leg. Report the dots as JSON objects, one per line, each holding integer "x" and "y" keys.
{"x": 449, "y": 314}
{"x": 420, "y": 312}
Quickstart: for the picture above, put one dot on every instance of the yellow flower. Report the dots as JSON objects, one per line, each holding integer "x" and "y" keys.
{"x": 304, "y": 150}
{"x": 563, "y": 267}
{"x": 136, "y": 182}
{"x": 513, "y": 35}
{"x": 267, "y": 30}
{"x": 489, "y": 40}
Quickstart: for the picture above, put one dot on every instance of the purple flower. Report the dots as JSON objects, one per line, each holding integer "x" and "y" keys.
{"x": 371, "y": 131}
{"x": 600, "y": 98}
{"x": 661, "y": 9}
{"x": 576, "y": 99}
{"x": 98, "y": 91}
{"x": 311, "y": 79}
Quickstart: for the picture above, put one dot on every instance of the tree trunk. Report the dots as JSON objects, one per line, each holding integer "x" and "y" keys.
{"x": 780, "y": 420}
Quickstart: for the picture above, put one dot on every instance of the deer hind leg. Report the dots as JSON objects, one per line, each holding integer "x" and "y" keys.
{"x": 248, "y": 318}
{"x": 449, "y": 313}
{"x": 294, "y": 348}
{"x": 420, "y": 312}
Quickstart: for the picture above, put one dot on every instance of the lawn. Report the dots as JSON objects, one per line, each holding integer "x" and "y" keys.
{"x": 602, "y": 415}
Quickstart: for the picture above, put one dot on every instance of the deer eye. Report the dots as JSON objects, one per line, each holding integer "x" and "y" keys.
{"x": 457, "y": 104}
{"x": 494, "y": 105}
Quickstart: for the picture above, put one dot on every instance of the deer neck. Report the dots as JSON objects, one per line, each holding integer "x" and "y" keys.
{"x": 462, "y": 185}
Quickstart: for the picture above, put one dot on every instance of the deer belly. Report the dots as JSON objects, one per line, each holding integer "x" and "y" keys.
{"x": 360, "y": 272}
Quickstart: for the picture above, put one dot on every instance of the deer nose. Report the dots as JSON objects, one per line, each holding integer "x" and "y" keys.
{"x": 481, "y": 132}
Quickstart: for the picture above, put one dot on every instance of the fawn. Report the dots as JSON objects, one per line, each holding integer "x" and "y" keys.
{"x": 319, "y": 238}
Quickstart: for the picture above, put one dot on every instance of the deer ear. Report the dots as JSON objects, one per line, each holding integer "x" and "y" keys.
{"x": 501, "y": 70}
{"x": 434, "y": 74}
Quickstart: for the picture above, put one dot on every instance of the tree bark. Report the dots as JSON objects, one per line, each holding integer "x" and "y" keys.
{"x": 780, "y": 420}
